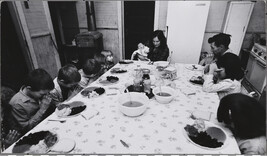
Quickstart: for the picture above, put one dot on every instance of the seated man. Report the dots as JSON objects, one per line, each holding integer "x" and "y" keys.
{"x": 219, "y": 45}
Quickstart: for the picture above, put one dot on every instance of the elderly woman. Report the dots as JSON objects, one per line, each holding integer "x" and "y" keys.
{"x": 158, "y": 50}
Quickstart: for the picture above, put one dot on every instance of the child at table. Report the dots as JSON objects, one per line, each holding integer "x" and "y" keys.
{"x": 101, "y": 59}
{"x": 29, "y": 105}
{"x": 226, "y": 78}
{"x": 66, "y": 84}
{"x": 109, "y": 58}
{"x": 246, "y": 117}
{"x": 89, "y": 72}
{"x": 141, "y": 53}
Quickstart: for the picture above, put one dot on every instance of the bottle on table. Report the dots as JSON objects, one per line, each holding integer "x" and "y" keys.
{"x": 146, "y": 83}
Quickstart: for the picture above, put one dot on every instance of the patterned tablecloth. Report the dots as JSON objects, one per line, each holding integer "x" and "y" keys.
{"x": 158, "y": 131}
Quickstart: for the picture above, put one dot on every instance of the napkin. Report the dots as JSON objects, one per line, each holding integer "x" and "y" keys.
{"x": 205, "y": 115}
{"x": 188, "y": 91}
{"x": 89, "y": 114}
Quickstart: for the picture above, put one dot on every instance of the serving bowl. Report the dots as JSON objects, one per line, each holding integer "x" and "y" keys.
{"x": 133, "y": 103}
{"x": 164, "y": 94}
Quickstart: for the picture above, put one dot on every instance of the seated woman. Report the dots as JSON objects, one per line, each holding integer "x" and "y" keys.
{"x": 158, "y": 49}
{"x": 246, "y": 117}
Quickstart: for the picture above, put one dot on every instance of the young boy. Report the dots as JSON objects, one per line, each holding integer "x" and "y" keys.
{"x": 89, "y": 72}
{"x": 66, "y": 84}
{"x": 101, "y": 59}
{"x": 29, "y": 105}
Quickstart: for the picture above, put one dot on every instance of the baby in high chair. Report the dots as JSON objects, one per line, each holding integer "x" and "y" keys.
{"x": 141, "y": 53}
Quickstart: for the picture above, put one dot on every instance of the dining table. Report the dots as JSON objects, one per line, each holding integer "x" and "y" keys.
{"x": 159, "y": 130}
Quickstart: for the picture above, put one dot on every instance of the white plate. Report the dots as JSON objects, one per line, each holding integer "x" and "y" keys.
{"x": 208, "y": 125}
{"x": 63, "y": 146}
{"x": 198, "y": 67}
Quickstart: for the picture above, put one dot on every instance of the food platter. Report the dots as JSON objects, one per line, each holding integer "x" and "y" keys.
{"x": 197, "y": 80}
{"x": 97, "y": 91}
{"x": 117, "y": 71}
{"x": 108, "y": 80}
{"x": 212, "y": 138}
{"x": 38, "y": 143}
{"x": 70, "y": 109}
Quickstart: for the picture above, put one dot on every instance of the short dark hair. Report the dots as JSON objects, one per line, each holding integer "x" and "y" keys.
{"x": 91, "y": 67}
{"x": 220, "y": 39}
{"x": 39, "y": 79}
{"x": 161, "y": 37}
{"x": 100, "y": 58}
{"x": 69, "y": 74}
{"x": 232, "y": 65}
{"x": 246, "y": 113}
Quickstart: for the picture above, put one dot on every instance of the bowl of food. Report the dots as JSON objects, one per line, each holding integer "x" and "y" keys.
{"x": 133, "y": 104}
{"x": 164, "y": 94}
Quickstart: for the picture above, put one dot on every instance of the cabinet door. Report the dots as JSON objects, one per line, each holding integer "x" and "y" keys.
{"x": 236, "y": 23}
{"x": 186, "y": 21}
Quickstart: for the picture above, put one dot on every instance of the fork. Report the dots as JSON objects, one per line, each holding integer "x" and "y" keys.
{"x": 61, "y": 121}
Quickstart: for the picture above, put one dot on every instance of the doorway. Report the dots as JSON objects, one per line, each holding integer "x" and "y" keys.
{"x": 138, "y": 24}
{"x": 66, "y": 25}
{"x": 13, "y": 63}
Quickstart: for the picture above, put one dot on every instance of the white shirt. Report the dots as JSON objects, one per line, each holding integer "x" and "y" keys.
{"x": 222, "y": 87}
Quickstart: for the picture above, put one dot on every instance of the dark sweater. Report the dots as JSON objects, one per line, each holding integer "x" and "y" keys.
{"x": 158, "y": 54}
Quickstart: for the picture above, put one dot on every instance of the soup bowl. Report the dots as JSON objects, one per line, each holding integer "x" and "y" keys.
{"x": 133, "y": 103}
{"x": 164, "y": 94}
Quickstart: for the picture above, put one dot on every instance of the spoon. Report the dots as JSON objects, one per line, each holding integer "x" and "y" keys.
{"x": 61, "y": 121}
{"x": 129, "y": 96}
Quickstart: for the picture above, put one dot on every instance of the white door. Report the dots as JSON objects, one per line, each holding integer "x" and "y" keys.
{"x": 186, "y": 21}
{"x": 236, "y": 23}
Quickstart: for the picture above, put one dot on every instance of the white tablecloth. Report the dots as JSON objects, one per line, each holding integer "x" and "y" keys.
{"x": 157, "y": 131}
